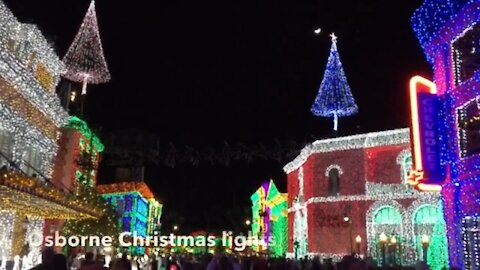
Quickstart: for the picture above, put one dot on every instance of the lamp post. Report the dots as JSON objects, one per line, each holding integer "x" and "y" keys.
{"x": 346, "y": 218}
{"x": 425, "y": 244}
{"x": 383, "y": 242}
{"x": 295, "y": 247}
{"x": 358, "y": 240}
{"x": 393, "y": 242}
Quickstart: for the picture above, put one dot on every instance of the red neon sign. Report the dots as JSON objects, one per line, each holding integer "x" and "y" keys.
{"x": 419, "y": 177}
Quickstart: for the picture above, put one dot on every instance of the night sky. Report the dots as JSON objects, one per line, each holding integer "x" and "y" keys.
{"x": 201, "y": 72}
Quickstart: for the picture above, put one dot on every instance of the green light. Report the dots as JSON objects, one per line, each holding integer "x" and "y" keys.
{"x": 80, "y": 125}
{"x": 438, "y": 249}
{"x": 277, "y": 204}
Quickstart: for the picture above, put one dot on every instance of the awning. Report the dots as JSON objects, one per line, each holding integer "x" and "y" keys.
{"x": 32, "y": 197}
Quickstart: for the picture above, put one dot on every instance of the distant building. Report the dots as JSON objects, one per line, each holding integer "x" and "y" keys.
{"x": 269, "y": 219}
{"x": 137, "y": 207}
{"x": 349, "y": 188}
{"x": 79, "y": 155}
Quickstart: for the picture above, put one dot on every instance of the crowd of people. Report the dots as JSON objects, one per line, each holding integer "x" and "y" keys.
{"x": 52, "y": 261}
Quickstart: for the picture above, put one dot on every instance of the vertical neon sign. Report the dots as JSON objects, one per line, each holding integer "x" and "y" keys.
{"x": 428, "y": 173}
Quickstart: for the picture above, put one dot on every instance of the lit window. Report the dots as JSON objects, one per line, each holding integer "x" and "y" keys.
{"x": 333, "y": 182}
{"x": 468, "y": 117}
{"x": 466, "y": 54}
{"x": 405, "y": 161}
{"x": 32, "y": 162}
{"x": 6, "y": 147}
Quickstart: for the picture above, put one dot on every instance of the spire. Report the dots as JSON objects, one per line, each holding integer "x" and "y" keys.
{"x": 334, "y": 98}
{"x": 84, "y": 59}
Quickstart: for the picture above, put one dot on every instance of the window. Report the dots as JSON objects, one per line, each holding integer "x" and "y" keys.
{"x": 466, "y": 54}
{"x": 6, "y": 147}
{"x": 468, "y": 117}
{"x": 387, "y": 215}
{"x": 405, "y": 160}
{"x": 32, "y": 162}
{"x": 333, "y": 182}
{"x": 471, "y": 236}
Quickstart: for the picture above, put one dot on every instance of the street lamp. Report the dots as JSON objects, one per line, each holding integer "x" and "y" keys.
{"x": 175, "y": 227}
{"x": 383, "y": 242}
{"x": 425, "y": 244}
{"x": 393, "y": 241}
{"x": 346, "y": 218}
{"x": 358, "y": 240}
{"x": 295, "y": 246}
{"x": 248, "y": 222}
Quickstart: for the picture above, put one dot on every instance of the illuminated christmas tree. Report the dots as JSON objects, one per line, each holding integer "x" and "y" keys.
{"x": 105, "y": 225}
{"x": 438, "y": 248}
{"x": 334, "y": 98}
{"x": 84, "y": 59}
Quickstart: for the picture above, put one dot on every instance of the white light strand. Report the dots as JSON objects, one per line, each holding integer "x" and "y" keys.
{"x": 18, "y": 74}
{"x": 27, "y": 135}
{"x": 334, "y": 166}
{"x": 34, "y": 256}
{"x": 390, "y": 137}
{"x": 381, "y": 196}
{"x": 6, "y": 234}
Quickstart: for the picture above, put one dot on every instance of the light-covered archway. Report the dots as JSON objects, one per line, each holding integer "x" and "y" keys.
{"x": 383, "y": 217}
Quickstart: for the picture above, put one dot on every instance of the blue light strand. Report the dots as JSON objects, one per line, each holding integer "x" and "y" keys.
{"x": 437, "y": 24}
{"x": 334, "y": 98}
{"x": 430, "y": 19}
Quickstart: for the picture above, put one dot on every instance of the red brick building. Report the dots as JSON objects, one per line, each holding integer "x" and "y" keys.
{"x": 353, "y": 186}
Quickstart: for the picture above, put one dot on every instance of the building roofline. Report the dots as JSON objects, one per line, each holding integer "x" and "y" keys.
{"x": 359, "y": 141}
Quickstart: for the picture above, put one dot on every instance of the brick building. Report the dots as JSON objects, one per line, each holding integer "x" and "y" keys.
{"x": 350, "y": 188}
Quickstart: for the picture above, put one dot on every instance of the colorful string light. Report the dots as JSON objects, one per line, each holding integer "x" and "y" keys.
{"x": 269, "y": 216}
{"x": 377, "y": 158}
{"x": 139, "y": 211}
{"x": 441, "y": 25}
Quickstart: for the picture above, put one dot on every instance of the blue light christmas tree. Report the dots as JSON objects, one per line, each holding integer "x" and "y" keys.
{"x": 334, "y": 98}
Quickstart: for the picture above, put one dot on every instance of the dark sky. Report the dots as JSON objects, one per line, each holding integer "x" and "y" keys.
{"x": 201, "y": 72}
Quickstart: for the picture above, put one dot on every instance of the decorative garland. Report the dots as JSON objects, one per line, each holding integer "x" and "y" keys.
{"x": 374, "y": 139}
{"x": 22, "y": 186}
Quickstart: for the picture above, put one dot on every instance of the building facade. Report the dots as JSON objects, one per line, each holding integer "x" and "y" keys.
{"x": 345, "y": 193}
{"x": 31, "y": 119}
{"x": 139, "y": 211}
{"x": 449, "y": 33}
{"x": 269, "y": 219}
{"x": 79, "y": 155}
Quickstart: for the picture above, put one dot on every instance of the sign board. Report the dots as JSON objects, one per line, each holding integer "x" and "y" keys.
{"x": 428, "y": 173}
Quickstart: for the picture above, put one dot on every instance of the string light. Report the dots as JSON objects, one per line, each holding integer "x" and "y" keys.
{"x": 105, "y": 224}
{"x": 269, "y": 215}
{"x": 374, "y": 139}
{"x": 80, "y": 125}
{"x": 6, "y": 230}
{"x": 430, "y": 22}
{"x": 84, "y": 59}
{"x": 438, "y": 248}
{"x": 139, "y": 211}
{"x": 441, "y": 26}
{"x": 31, "y": 52}
{"x": 382, "y": 152}
{"x": 31, "y": 197}
{"x": 334, "y": 97}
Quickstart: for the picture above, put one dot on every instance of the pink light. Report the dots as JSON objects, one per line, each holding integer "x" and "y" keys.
{"x": 84, "y": 59}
